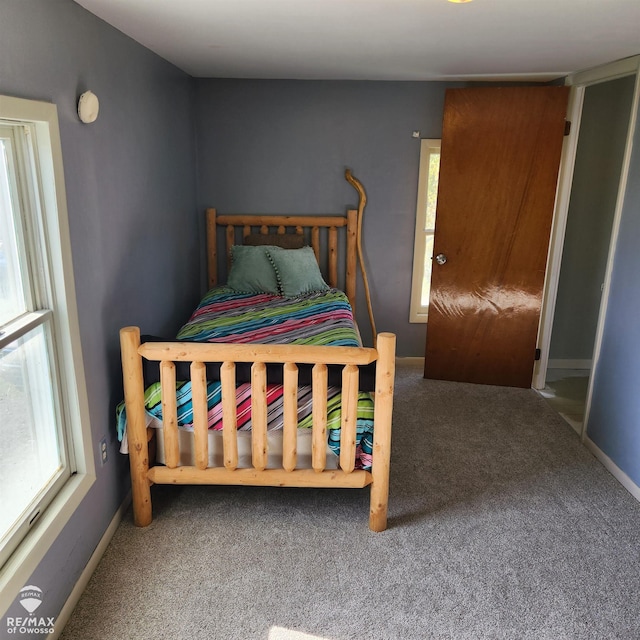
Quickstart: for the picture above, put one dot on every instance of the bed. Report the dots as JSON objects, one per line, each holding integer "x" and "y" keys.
{"x": 254, "y": 389}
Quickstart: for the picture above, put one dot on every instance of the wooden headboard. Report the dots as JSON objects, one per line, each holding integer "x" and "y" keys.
{"x": 238, "y": 226}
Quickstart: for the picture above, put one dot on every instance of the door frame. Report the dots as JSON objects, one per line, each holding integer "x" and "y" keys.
{"x": 578, "y": 83}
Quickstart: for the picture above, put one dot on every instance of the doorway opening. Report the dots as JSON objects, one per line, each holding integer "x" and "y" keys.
{"x": 593, "y": 201}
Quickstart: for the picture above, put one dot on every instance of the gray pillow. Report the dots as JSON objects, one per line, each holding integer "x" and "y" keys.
{"x": 252, "y": 271}
{"x": 297, "y": 271}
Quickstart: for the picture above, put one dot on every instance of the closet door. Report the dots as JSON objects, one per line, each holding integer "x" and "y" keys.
{"x": 499, "y": 167}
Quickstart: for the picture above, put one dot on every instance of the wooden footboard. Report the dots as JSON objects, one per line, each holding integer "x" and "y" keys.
{"x": 289, "y": 356}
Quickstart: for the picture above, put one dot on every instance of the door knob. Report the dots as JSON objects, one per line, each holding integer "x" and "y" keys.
{"x": 441, "y": 258}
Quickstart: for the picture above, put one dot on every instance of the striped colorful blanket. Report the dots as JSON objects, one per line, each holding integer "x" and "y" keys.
{"x": 223, "y": 315}
{"x": 323, "y": 318}
{"x": 275, "y": 418}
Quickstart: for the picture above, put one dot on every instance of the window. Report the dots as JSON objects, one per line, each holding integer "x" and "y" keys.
{"x": 46, "y": 465}
{"x": 425, "y": 228}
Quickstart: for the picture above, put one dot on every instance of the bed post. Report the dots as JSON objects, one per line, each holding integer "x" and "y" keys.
{"x": 212, "y": 249}
{"x": 136, "y": 425}
{"x": 383, "y": 409}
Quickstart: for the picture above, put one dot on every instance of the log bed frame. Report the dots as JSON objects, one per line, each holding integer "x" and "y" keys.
{"x": 144, "y": 474}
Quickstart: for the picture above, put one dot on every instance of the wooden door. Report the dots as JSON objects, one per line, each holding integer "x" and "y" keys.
{"x": 500, "y": 157}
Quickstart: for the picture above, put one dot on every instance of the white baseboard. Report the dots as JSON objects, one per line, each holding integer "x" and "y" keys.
{"x": 559, "y": 363}
{"x": 85, "y": 576}
{"x": 613, "y": 468}
{"x": 411, "y": 360}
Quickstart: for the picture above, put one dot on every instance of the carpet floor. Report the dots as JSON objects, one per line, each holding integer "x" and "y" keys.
{"x": 502, "y": 525}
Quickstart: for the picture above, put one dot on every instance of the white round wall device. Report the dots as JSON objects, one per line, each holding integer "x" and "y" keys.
{"x": 88, "y": 107}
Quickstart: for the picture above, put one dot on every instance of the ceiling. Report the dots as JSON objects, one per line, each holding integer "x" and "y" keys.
{"x": 379, "y": 39}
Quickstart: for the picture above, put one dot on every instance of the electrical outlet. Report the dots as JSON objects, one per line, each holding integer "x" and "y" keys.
{"x": 104, "y": 454}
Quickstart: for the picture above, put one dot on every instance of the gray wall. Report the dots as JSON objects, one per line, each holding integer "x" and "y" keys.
{"x": 282, "y": 147}
{"x": 603, "y": 134}
{"x": 614, "y": 421}
{"x": 132, "y": 214}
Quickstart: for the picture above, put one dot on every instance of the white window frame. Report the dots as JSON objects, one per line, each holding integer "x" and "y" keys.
{"x": 43, "y": 120}
{"x": 417, "y": 311}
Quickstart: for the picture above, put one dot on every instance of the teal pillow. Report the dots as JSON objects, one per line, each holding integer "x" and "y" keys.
{"x": 252, "y": 271}
{"x": 297, "y": 271}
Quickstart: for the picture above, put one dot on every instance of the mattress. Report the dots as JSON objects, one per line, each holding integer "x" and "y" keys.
{"x": 274, "y": 449}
